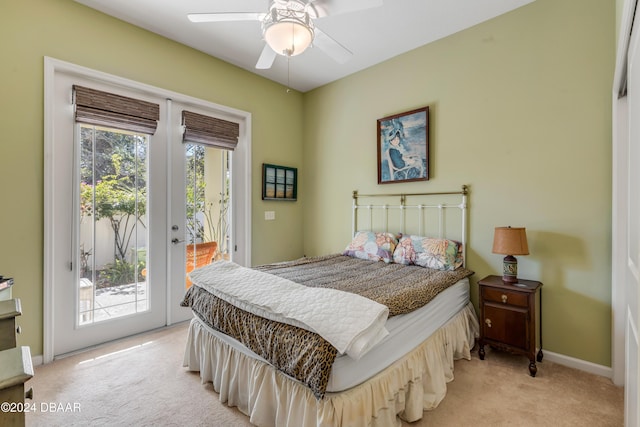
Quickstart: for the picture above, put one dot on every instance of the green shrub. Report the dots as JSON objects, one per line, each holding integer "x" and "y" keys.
{"x": 120, "y": 273}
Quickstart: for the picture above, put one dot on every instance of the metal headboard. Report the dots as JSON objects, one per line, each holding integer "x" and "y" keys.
{"x": 432, "y": 204}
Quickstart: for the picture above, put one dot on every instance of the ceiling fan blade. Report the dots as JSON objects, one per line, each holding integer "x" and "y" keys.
{"x": 225, "y": 16}
{"x": 266, "y": 59}
{"x": 335, "y": 7}
{"x": 331, "y": 47}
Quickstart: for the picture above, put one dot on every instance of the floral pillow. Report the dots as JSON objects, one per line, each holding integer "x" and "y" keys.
{"x": 439, "y": 254}
{"x": 374, "y": 246}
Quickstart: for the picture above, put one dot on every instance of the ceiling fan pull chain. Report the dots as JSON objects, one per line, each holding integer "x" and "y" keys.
{"x": 290, "y": 53}
{"x": 288, "y": 74}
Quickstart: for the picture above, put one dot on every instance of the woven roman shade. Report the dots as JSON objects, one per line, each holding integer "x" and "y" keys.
{"x": 210, "y": 131}
{"x": 107, "y": 109}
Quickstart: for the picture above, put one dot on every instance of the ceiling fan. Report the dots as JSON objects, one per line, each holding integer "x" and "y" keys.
{"x": 288, "y": 26}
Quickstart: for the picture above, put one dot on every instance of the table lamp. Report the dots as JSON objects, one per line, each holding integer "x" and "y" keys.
{"x": 510, "y": 241}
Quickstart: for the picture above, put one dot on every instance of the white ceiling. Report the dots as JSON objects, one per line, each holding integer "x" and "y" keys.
{"x": 373, "y": 35}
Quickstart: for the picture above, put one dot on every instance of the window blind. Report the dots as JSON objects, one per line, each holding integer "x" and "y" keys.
{"x": 210, "y": 131}
{"x": 107, "y": 109}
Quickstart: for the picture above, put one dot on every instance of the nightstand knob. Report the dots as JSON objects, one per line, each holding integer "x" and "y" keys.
{"x": 488, "y": 322}
{"x": 504, "y": 299}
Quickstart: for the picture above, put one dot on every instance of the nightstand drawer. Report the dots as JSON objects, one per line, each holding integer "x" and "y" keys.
{"x": 503, "y": 296}
{"x": 9, "y": 309}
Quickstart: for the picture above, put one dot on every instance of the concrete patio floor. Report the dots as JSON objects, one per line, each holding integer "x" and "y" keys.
{"x": 112, "y": 302}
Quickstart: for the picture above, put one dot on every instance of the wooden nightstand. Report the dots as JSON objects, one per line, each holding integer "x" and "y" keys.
{"x": 16, "y": 368}
{"x": 9, "y": 310}
{"x": 510, "y": 318}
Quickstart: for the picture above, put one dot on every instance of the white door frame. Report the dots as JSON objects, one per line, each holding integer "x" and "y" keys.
{"x": 241, "y": 181}
{"x": 620, "y": 168}
{"x": 624, "y": 268}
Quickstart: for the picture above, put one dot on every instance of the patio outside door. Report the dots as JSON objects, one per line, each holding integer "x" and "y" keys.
{"x": 109, "y": 227}
{"x": 201, "y": 205}
{"x": 127, "y": 211}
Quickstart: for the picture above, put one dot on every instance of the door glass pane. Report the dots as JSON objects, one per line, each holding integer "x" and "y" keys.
{"x": 113, "y": 234}
{"x": 207, "y": 198}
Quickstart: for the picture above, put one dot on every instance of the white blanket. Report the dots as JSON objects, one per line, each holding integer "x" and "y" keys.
{"x": 351, "y": 323}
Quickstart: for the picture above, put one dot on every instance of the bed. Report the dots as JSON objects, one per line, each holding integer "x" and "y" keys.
{"x": 282, "y": 367}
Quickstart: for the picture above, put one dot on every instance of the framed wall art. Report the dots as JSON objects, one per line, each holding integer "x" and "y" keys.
{"x": 403, "y": 147}
{"x": 279, "y": 182}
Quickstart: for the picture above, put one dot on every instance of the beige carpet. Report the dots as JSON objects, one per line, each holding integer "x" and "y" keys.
{"x": 140, "y": 381}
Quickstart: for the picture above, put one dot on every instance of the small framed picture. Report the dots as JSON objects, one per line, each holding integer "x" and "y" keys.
{"x": 403, "y": 147}
{"x": 279, "y": 182}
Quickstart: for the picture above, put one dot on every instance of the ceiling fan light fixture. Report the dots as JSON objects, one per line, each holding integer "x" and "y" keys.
{"x": 288, "y": 38}
{"x": 288, "y": 29}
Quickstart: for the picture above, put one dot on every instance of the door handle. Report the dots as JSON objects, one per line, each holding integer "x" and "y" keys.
{"x": 175, "y": 240}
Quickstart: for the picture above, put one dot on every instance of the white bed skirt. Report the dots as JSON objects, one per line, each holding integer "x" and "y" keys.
{"x": 413, "y": 384}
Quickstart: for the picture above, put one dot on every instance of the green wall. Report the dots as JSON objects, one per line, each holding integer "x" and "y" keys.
{"x": 65, "y": 30}
{"x": 520, "y": 110}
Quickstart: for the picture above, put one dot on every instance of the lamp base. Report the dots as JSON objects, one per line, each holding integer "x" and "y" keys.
{"x": 510, "y": 269}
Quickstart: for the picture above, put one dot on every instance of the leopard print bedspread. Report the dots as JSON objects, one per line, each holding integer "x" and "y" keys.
{"x": 305, "y": 355}
{"x": 402, "y": 288}
{"x": 299, "y": 353}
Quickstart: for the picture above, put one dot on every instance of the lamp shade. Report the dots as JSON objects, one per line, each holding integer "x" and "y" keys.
{"x": 510, "y": 241}
{"x": 288, "y": 36}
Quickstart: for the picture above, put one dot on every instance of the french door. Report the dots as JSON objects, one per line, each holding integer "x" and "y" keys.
{"x": 201, "y": 207}
{"x": 127, "y": 212}
{"x": 109, "y": 216}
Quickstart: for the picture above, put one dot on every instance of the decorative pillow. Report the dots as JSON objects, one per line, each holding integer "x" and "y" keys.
{"x": 439, "y": 254}
{"x": 405, "y": 252}
{"x": 374, "y": 246}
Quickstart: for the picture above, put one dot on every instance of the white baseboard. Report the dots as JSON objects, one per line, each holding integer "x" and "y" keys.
{"x": 580, "y": 364}
{"x": 37, "y": 360}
